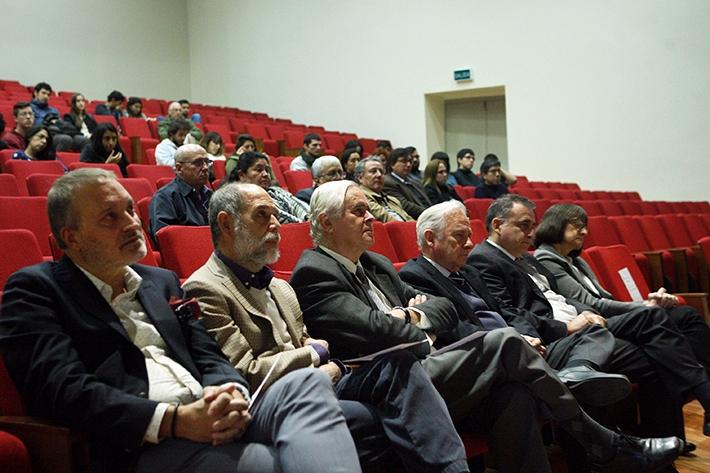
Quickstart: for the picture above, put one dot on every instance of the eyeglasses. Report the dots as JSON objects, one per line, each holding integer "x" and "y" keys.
{"x": 336, "y": 173}
{"x": 198, "y": 163}
{"x": 25, "y": 114}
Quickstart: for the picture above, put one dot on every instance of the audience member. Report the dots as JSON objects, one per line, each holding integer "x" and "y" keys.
{"x": 531, "y": 303}
{"x": 348, "y": 160}
{"x": 150, "y": 389}
{"x": 24, "y": 120}
{"x": 237, "y": 292}
{"x": 185, "y": 112}
{"x": 112, "y": 107}
{"x": 165, "y": 151}
{"x": 184, "y": 201}
{"x": 505, "y": 176}
{"x": 491, "y": 187}
{"x": 325, "y": 169}
{"x": 134, "y": 109}
{"x": 442, "y": 156}
{"x": 355, "y": 144}
{"x": 253, "y": 168}
{"x": 39, "y": 146}
{"x": 398, "y": 184}
{"x": 104, "y": 147}
{"x": 312, "y": 149}
{"x": 79, "y": 123}
{"x": 464, "y": 175}
{"x": 213, "y": 144}
{"x": 415, "y": 173}
{"x": 434, "y": 182}
{"x": 370, "y": 174}
{"x": 3, "y": 145}
{"x": 175, "y": 114}
{"x": 40, "y": 102}
{"x": 355, "y": 300}
{"x": 244, "y": 143}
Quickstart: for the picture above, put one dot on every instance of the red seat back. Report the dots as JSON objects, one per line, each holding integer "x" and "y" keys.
{"x": 108, "y": 167}
{"x": 383, "y": 245}
{"x": 675, "y": 230}
{"x": 478, "y": 227}
{"x": 695, "y": 226}
{"x": 619, "y": 273}
{"x": 630, "y": 233}
{"x": 295, "y": 237}
{"x": 39, "y": 184}
{"x": 601, "y": 232}
{"x": 21, "y": 169}
{"x": 68, "y": 158}
{"x": 135, "y": 127}
{"x": 297, "y": 180}
{"x": 150, "y": 172}
{"x": 184, "y": 249}
{"x": 654, "y": 232}
{"x": 611, "y": 207}
{"x": 403, "y": 236}
{"x": 138, "y": 187}
{"x": 631, "y": 207}
{"x": 8, "y": 185}
{"x": 477, "y": 208}
{"x": 29, "y": 213}
{"x": 18, "y": 248}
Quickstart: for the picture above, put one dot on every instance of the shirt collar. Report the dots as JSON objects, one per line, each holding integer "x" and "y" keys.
{"x": 131, "y": 279}
{"x": 400, "y": 179}
{"x": 186, "y": 189}
{"x": 505, "y": 252}
{"x": 259, "y": 280}
{"x": 349, "y": 265}
{"x": 438, "y": 267}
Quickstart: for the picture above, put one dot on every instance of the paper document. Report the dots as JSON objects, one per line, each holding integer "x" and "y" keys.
{"x": 630, "y": 284}
{"x": 268, "y": 373}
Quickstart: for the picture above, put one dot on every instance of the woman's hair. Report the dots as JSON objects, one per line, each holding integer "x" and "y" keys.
{"x": 48, "y": 153}
{"x": 133, "y": 101}
{"x": 97, "y": 139}
{"x": 246, "y": 160}
{"x": 74, "y": 98}
{"x": 345, "y": 156}
{"x": 551, "y": 229}
{"x": 215, "y": 137}
{"x": 430, "y": 172}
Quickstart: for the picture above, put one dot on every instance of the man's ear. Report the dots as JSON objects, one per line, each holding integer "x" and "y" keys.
{"x": 429, "y": 237}
{"x": 325, "y": 222}
{"x": 495, "y": 224}
{"x": 225, "y": 223}
{"x": 69, "y": 237}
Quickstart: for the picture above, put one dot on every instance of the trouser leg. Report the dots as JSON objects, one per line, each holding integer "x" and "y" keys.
{"x": 414, "y": 416}
{"x": 299, "y": 414}
{"x": 696, "y": 331}
{"x": 374, "y": 449}
{"x": 592, "y": 346}
{"x": 62, "y": 142}
{"x": 78, "y": 143}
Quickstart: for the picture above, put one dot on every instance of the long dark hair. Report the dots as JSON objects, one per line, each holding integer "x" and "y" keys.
{"x": 48, "y": 153}
{"x": 97, "y": 137}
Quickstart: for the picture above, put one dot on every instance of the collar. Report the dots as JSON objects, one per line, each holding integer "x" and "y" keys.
{"x": 130, "y": 278}
{"x": 259, "y": 280}
{"x": 400, "y": 179}
{"x": 438, "y": 267}
{"x": 349, "y": 265}
{"x": 465, "y": 171}
{"x": 186, "y": 189}
{"x": 505, "y": 252}
{"x": 40, "y": 104}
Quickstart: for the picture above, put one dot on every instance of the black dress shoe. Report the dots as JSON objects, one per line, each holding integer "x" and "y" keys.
{"x": 635, "y": 455}
{"x": 706, "y": 425}
{"x": 688, "y": 448}
{"x": 595, "y": 388}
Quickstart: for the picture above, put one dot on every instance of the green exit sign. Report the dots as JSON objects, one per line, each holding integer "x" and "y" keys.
{"x": 462, "y": 74}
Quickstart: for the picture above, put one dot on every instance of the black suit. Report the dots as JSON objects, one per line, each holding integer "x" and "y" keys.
{"x": 411, "y": 195}
{"x": 496, "y": 377}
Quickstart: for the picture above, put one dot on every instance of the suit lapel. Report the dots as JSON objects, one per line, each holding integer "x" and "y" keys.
{"x": 381, "y": 280}
{"x": 355, "y": 285}
{"x": 522, "y": 274}
{"x": 449, "y": 287}
{"x": 480, "y": 288}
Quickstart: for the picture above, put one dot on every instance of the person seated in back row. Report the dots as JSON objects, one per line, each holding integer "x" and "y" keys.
{"x": 399, "y": 184}
{"x": 325, "y": 169}
{"x": 166, "y": 149}
{"x": 491, "y": 187}
{"x": 104, "y": 147}
{"x": 435, "y": 183}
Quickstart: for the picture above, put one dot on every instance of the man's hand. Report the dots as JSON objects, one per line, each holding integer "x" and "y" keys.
{"x": 536, "y": 343}
{"x": 662, "y": 298}
{"x": 312, "y": 341}
{"x": 418, "y": 299}
{"x": 332, "y": 370}
{"x": 401, "y": 314}
{"x": 583, "y": 320}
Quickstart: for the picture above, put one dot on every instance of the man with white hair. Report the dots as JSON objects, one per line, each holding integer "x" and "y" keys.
{"x": 175, "y": 113}
{"x": 325, "y": 169}
{"x": 370, "y": 174}
{"x": 355, "y": 300}
{"x": 185, "y": 200}
{"x": 257, "y": 323}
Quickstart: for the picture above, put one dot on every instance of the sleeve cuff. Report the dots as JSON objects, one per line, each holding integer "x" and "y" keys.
{"x": 151, "y": 433}
{"x": 424, "y": 322}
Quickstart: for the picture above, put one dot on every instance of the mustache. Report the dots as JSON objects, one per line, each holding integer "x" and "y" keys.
{"x": 272, "y": 237}
{"x": 130, "y": 236}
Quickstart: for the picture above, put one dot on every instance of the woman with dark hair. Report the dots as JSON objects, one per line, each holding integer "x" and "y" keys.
{"x": 105, "y": 148}
{"x": 442, "y": 156}
{"x": 434, "y": 181}
{"x": 213, "y": 144}
{"x": 349, "y": 159}
{"x": 80, "y": 119}
{"x": 244, "y": 143}
{"x": 134, "y": 108}
{"x": 354, "y": 144}
{"x": 40, "y": 146}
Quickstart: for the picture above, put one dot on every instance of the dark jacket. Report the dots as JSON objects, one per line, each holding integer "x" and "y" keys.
{"x": 70, "y": 118}
{"x": 444, "y": 193}
{"x": 90, "y": 155}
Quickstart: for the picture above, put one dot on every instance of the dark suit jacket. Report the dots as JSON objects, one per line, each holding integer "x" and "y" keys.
{"x": 523, "y": 305}
{"x": 73, "y": 362}
{"x": 336, "y": 307}
{"x": 412, "y": 204}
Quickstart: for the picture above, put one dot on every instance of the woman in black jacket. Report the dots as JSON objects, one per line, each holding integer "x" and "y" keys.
{"x": 105, "y": 148}
{"x": 434, "y": 181}
{"x": 80, "y": 122}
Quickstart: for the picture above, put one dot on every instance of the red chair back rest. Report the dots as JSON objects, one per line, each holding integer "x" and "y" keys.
{"x": 654, "y": 232}
{"x": 135, "y": 127}
{"x": 184, "y": 249}
{"x": 108, "y": 167}
{"x": 675, "y": 229}
{"x": 138, "y": 187}
{"x": 22, "y": 169}
{"x": 10, "y": 400}
{"x": 383, "y": 245}
{"x": 29, "y": 213}
{"x": 39, "y": 184}
{"x": 695, "y": 226}
{"x": 478, "y": 227}
{"x": 8, "y": 185}
{"x": 619, "y": 272}
{"x": 601, "y": 232}
{"x": 18, "y": 248}
{"x": 403, "y": 236}
{"x": 297, "y": 180}
{"x": 630, "y": 233}
{"x": 295, "y": 237}
{"x": 477, "y": 208}
{"x": 150, "y": 172}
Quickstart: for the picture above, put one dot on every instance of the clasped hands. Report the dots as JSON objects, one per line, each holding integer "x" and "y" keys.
{"x": 661, "y": 298}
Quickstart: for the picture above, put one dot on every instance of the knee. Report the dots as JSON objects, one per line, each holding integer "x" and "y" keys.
{"x": 308, "y": 378}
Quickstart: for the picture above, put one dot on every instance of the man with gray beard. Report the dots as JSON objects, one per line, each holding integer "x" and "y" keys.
{"x": 257, "y": 321}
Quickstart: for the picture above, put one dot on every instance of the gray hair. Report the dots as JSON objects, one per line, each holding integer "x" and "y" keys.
{"x": 321, "y": 163}
{"x": 174, "y": 106}
{"x": 60, "y": 199}
{"x": 328, "y": 199}
{"x": 228, "y": 198}
{"x": 187, "y": 151}
{"x": 435, "y": 218}
{"x": 502, "y": 206}
{"x": 360, "y": 166}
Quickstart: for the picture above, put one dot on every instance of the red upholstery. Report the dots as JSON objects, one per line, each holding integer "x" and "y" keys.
{"x": 648, "y": 207}
{"x": 528, "y": 192}
{"x": 6, "y": 155}
{"x": 150, "y": 172}
{"x": 695, "y": 226}
{"x": 676, "y": 230}
{"x": 705, "y": 245}
{"x": 293, "y": 139}
{"x": 222, "y": 130}
{"x": 109, "y": 167}
{"x": 477, "y": 208}
{"x": 106, "y": 119}
{"x": 568, "y": 194}
{"x": 33, "y": 217}
{"x": 8, "y": 185}
{"x": 403, "y": 236}
{"x": 297, "y": 180}
{"x": 219, "y": 169}
{"x": 184, "y": 249}
{"x": 333, "y": 141}
{"x": 22, "y": 169}
{"x": 143, "y": 206}
{"x": 295, "y": 237}
{"x": 541, "y": 206}
{"x": 149, "y": 156}
{"x": 18, "y": 248}
{"x": 13, "y": 454}
{"x": 609, "y": 261}
{"x": 465, "y": 192}
{"x": 478, "y": 227}
{"x": 163, "y": 181}
{"x": 592, "y": 207}
{"x": 257, "y": 130}
{"x": 601, "y": 232}
{"x": 138, "y": 187}
{"x": 278, "y": 173}
{"x": 135, "y": 127}
{"x": 548, "y": 194}
{"x": 611, "y": 207}
{"x": 631, "y": 207}
{"x": 68, "y": 158}
{"x": 383, "y": 245}
{"x": 276, "y": 132}
{"x": 39, "y": 184}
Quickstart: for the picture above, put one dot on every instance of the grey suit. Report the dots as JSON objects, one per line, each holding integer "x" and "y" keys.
{"x": 411, "y": 194}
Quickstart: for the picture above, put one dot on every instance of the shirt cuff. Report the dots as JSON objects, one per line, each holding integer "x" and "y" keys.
{"x": 315, "y": 357}
{"x": 151, "y": 433}
{"x": 424, "y": 322}
{"x": 242, "y": 389}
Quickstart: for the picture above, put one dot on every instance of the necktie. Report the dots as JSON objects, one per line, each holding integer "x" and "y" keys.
{"x": 489, "y": 319}
{"x": 461, "y": 283}
{"x": 374, "y": 299}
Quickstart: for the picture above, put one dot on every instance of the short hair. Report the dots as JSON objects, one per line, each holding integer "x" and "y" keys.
{"x": 491, "y": 157}
{"x": 327, "y": 199}
{"x": 60, "y": 199}
{"x": 134, "y": 100}
{"x": 353, "y": 144}
{"x": 183, "y": 102}
{"x": 410, "y": 149}
{"x": 177, "y": 125}
{"x": 501, "y": 207}
{"x": 430, "y": 172}
{"x": 115, "y": 95}
{"x": 185, "y": 150}
{"x": 384, "y": 144}
{"x": 551, "y": 229}
{"x": 215, "y": 137}
{"x": 97, "y": 137}
{"x": 463, "y": 152}
{"x": 310, "y": 137}
{"x": 360, "y": 166}
{"x": 48, "y": 153}
{"x": 19, "y": 106}
{"x": 174, "y": 106}
{"x": 442, "y": 156}
{"x": 435, "y": 218}
{"x": 345, "y": 155}
{"x": 487, "y": 164}
{"x": 228, "y": 198}
{"x": 243, "y": 138}
{"x": 394, "y": 156}
{"x": 43, "y": 85}
{"x": 321, "y": 163}
{"x": 246, "y": 160}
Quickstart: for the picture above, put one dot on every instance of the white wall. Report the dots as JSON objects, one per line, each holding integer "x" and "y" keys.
{"x": 611, "y": 94}
{"x": 139, "y": 47}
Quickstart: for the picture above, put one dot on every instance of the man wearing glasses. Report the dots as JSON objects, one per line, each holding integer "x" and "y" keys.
{"x": 24, "y": 118}
{"x": 185, "y": 200}
{"x": 325, "y": 169}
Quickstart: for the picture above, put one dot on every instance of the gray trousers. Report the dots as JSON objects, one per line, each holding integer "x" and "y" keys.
{"x": 297, "y": 426}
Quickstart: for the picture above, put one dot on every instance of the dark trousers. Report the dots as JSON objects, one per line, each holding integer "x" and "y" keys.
{"x": 593, "y": 346}
{"x": 413, "y": 415}
{"x": 696, "y": 331}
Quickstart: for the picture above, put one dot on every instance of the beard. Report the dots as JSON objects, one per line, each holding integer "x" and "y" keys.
{"x": 254, "y": 250}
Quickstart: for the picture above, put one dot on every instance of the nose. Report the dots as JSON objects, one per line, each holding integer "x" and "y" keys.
{"x": 584, "y": 231}
{"x": 274, "y": 223}
{"x": 468, "y": 244}
{"x": 369, "y": 217}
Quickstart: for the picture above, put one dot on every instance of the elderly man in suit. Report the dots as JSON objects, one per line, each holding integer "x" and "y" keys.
{"x": 400, "y": 185}
{"x": 93, "y": 342}
{"x": 528, "y": 295}
{"x": 356, "y": 300}
{"x": 257, "y": 321}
